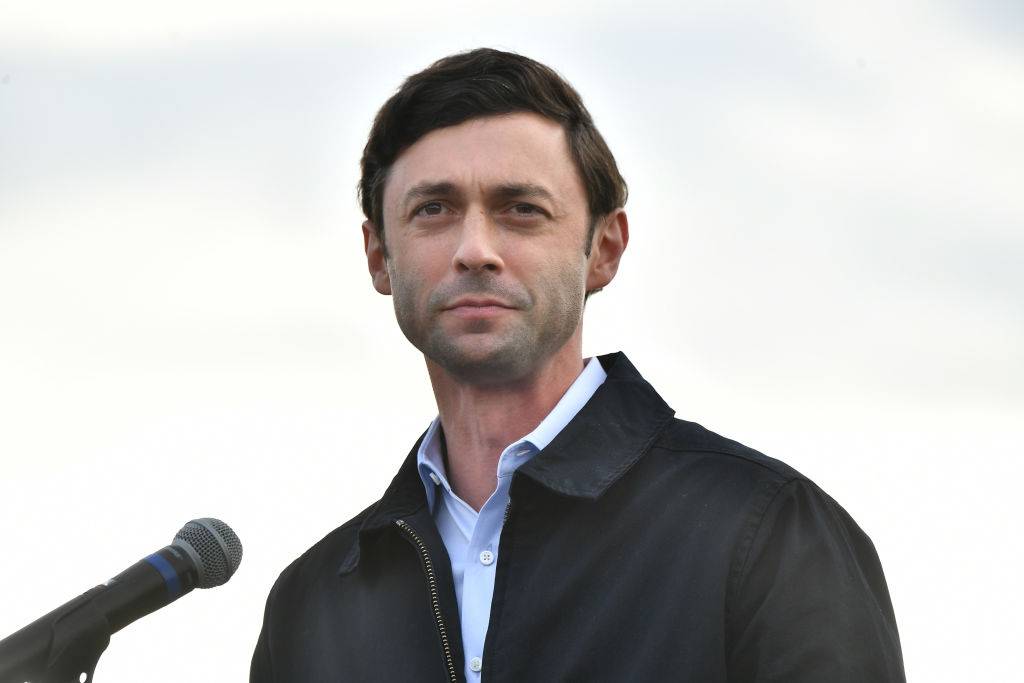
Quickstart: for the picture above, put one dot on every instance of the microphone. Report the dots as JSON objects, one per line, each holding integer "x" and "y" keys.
{"x": 65, "y": 645}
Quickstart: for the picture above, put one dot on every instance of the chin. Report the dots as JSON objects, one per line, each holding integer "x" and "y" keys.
{"x": 484, "y": 364}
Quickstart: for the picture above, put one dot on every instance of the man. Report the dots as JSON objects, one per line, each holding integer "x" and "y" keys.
{"x": 612, "y": 542}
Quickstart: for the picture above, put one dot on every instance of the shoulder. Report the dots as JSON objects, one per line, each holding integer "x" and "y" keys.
{"x": 732, "y": 476}
{"x": 325, "y": 557}
{"x": 692, "y": 441}
{"x": 727, "y": 459}
{"x": 777, "y": 501}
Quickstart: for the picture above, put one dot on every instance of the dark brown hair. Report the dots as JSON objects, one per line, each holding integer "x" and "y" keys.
{"x": 486, "y": 82}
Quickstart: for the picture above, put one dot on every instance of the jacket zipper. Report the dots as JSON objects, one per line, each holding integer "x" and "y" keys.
{"x": 435, "y": 597}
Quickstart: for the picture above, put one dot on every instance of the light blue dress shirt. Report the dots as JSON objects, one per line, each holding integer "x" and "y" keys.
{"x": 471, "y": 537}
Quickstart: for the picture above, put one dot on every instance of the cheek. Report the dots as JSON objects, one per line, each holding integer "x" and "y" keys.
{"x": 403, "y": 297}
{"x": 404, "y": 285}
{"x": 562, "y": 284}
{"x": 410, "y": 289}
{"x": 418, "y": 263}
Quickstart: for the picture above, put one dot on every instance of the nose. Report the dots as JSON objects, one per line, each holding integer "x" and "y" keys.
{"x": 477, "y": 248}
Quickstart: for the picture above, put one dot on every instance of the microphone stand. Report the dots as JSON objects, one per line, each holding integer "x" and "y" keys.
{"x": 60, "y": 647}
{"x": 65, "y": 645}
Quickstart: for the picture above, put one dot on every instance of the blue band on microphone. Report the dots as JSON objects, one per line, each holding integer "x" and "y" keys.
{"x": 167, "y": 571}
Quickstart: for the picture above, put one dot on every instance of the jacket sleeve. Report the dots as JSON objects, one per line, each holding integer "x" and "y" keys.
{"x": 808, "y": 600}
{"x": 261, "y": 670}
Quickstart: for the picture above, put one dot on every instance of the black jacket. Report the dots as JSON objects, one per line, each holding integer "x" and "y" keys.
{"x": 636, "y": 547}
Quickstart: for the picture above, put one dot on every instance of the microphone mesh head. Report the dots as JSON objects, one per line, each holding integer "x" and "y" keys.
{"x": 215, "y": 547}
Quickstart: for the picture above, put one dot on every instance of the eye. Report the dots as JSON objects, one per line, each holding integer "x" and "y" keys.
{"x": 430, "y": 209}
{"x": 526, "y": 211}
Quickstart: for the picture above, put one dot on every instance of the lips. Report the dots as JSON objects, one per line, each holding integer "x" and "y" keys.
{"x": 476, "y": 302}
{"x": 477, "y": 308}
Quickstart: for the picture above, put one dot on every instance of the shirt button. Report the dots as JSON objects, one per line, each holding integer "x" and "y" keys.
{"x": 436, "y": 479}
{"x": 487, "y": 558}
{"x": 475, "y": 664}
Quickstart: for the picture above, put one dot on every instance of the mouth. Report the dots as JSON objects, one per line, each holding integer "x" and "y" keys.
{"x": 476, "y": 302}
{"x": 475, "y": 307}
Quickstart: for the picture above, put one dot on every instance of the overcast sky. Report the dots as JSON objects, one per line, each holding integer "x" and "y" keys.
{"x": 826, "y": 264}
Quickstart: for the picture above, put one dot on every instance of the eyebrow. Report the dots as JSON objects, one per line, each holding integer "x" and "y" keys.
{"x": 524, "y": 190}
{"x": 429, "y": 189}
{"x": 506, "y": 191}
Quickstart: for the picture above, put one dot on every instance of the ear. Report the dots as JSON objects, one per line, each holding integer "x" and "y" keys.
{"x": 376, "y": 258}
{"x": 609, "y": 242}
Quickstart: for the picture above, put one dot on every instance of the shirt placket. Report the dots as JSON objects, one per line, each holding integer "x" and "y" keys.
{"x": 481, "y": 560}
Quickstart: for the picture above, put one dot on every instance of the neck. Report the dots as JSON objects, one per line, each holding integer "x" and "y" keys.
{"x": 480, "y": 421}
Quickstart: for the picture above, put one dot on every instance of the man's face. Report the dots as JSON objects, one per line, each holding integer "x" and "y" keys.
{"x": 485, "y": 226}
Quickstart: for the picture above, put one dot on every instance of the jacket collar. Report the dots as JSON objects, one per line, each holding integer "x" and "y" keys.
{"x": 612, "y": 431}
{"x": 609, "y": 435}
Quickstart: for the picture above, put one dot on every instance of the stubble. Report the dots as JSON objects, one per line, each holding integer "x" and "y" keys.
{"x": 489, "y": 352}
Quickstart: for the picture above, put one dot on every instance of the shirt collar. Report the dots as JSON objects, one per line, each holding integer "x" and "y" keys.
{"x": 572, "y": 401}
{"x": 430, "y": 463}
{"x": 616, "y": 427}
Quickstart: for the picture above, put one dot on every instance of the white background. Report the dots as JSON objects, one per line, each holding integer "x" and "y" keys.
{"x": 826, "y": 264}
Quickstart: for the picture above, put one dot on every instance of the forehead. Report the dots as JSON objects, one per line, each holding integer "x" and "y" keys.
{"x": 488, "y": 152}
